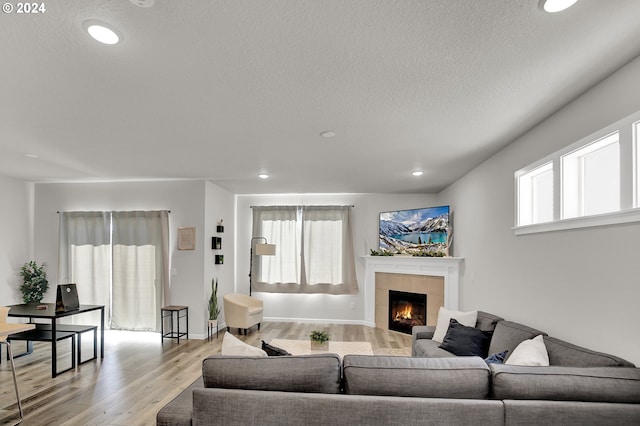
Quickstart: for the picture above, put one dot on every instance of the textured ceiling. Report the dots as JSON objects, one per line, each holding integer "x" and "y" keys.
{"x": 225, "y": 89}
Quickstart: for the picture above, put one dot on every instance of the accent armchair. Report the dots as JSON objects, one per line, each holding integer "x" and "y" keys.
{"x": 242, "y": 311}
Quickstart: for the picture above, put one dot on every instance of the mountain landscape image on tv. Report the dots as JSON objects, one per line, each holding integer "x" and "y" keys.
{"x": 422, "y": 231}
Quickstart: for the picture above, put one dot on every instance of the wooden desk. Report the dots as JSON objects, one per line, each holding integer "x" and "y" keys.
{"x": 30, "y": 311}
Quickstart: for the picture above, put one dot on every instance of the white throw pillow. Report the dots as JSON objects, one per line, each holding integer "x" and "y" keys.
{"x": 444, "y": 315}
{"x": 531, "y": 352}
{"x": 231, "y": 345}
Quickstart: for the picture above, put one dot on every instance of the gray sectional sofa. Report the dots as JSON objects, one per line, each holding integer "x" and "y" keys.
{"x": 434, "y": 387}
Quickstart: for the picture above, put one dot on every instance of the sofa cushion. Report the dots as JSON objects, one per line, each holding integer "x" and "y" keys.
{"x": 444, "y": 316}
{"x": 591, "y": 384}
{"x": 487, "y": 321}
{"x": 464, "y": 377}
{"x": 306, "y": 373}
{"x": 461, "y": 340}
{"x": 508, "y": 335}
{"x": 241, "y": 408}
{"x": 530, "y": 352}
{"x": 570, "y": 413}
{"x": 428, "y": 348}
{"x": 566, "y": 354}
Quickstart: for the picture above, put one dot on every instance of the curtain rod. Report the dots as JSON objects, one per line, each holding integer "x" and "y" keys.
{"x": 308, "y": 205}
{"x": 168, "y": 211}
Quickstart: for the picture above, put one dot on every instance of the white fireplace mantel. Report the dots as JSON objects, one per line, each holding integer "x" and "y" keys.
{"x": 446, "y": 267}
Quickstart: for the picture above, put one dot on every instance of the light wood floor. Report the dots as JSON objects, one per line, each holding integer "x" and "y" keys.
{"x": 139, "y": 375}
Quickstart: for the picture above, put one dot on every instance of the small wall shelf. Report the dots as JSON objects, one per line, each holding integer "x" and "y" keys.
{"x": 216, "y": 243}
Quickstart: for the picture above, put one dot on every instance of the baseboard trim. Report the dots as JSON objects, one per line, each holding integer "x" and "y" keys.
{"x": 321, "y": 321}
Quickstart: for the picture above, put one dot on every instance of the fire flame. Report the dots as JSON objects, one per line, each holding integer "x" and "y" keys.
{"x": 403, "y": 314}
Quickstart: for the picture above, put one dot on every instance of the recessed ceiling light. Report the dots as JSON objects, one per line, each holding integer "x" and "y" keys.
{"x": 417, "y": 173}
{"x": 263, "y": 175}
{"x": 103, "y": 32}
{"x": 328, "y": 134}
{"x": 553, "y": 6}
{"x": 29, "y": 155}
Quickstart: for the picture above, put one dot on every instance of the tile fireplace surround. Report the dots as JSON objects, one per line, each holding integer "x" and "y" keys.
{"x": 446, "y": 267}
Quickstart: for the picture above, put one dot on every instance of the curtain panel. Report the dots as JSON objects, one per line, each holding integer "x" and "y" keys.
{"x": 84, "y": 257}
{"x": 140, "y": 269}
{"x": 314, "y": 250}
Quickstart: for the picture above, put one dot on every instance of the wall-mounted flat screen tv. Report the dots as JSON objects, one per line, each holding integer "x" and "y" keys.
{"x": 422, "y": 231}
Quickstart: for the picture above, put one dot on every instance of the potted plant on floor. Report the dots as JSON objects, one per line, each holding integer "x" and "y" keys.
{"x": 214, "y": 309}
{"x": 319, "y": 340}
{"x": 34, "y": 282}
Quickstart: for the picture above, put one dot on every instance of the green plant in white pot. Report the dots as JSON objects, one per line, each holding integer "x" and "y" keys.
{"x": 319, "y": 339}
{"x": 34, "y": 282}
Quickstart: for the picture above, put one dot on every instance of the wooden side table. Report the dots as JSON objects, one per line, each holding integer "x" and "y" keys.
{"x": 180, "y": 312}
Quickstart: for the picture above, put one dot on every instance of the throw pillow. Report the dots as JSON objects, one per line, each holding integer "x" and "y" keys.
{"x": 461, "y": 340}
{"x": 444, "y": 316}
{"x": 531, "y": 352}
{"x": 273, "y": 350}
{"x": 231, "y": 345}
{"x": 497, "y": 358}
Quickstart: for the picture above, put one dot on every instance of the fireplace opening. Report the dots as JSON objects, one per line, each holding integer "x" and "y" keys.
{"x": 406, "y": 310}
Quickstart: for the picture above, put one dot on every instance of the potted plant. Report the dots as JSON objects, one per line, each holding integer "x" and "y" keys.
{"x": 214, "y": 309}
{"x": 319, "y": 340}
{"x": 34, "y": 282}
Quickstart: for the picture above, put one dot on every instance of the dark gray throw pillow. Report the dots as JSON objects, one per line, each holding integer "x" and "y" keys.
{"x": 466, "y": 341}
{"x": 273, "y": 350}
{"x": 497, "y": 358}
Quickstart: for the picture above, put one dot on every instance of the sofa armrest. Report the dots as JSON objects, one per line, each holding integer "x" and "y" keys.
{"x": 178, "y": 411}
{"x": 420, "y": 332}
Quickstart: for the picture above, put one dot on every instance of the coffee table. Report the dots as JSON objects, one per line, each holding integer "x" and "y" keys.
{"x": 303, "y": 347}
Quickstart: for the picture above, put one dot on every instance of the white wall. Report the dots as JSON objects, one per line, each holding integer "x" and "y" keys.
{"x": 16, "y": 229}
{"x": 189, "y": 202}
{"x": 579, "y": 285}
{"x": 321, "y": 307}
{"x": 220, "y": 204}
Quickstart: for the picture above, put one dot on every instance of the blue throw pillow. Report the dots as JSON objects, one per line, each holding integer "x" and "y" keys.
{"x": 497, "y": 358}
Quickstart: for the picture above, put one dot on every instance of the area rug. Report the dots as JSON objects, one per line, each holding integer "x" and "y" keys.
{"x": 303, "y": 347}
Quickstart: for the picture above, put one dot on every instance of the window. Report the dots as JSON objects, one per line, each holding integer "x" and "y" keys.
{"x": 636, "y": 168}
{"x": 535, "y": 195}
{"x": 592, "y": 182}
{"x": 314, "y": 250}
{"x": 118, "y": 260}
{"x": 591, "y": 178}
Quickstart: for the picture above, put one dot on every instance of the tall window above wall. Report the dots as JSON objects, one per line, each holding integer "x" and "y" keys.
{"x": 535, "y": 195}
{"x": 591, "y": 178}
{"x": 592, "y": 182}
{"x": 636, "y": 168}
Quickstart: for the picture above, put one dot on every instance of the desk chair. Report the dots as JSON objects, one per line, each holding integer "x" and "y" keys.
{"x": 5, "y": 330}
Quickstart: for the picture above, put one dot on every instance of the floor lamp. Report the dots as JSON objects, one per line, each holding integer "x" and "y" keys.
{"x": 262, "y": 249}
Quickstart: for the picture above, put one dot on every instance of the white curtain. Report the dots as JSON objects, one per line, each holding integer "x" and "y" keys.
{"x": 314, "y": 250}
{"x": 84, "y": 258}
{"x": 140, "y": 269}
{"x": 119, "y": 260}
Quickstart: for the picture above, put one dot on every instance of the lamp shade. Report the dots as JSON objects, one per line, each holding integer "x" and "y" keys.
{"x": 265, "y": 249}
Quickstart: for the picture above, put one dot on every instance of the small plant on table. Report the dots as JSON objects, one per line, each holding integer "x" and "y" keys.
{"x": 319, "y": 339}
